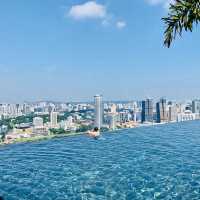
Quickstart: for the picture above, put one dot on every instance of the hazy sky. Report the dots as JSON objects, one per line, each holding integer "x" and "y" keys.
{"x": 74, "y": 49}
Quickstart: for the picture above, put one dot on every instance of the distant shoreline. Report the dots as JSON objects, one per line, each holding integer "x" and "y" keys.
{"x": 48, "y": 137}
{"x": 40, "y": 138}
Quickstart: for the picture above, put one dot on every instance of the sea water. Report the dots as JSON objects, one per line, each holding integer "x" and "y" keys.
{"x": 157, "y": 162}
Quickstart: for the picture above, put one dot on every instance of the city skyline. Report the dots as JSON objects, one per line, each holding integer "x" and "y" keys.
{"x": 45, "y": 118}
{"x": 99, "y": 99}
{"x": 71, "y": 50}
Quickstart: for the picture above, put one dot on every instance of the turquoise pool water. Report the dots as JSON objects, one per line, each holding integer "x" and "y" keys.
{"x": 160, "y": 162}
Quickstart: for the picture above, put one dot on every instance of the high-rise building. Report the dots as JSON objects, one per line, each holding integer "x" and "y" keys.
{"x": 196, "y": 106}
{"x": 147, "y": 111}
{"x": 161, "y": 111}
{"x": 26, "y": 109}
{"x": 172, "y": 113}
{"x": 112, "y": 119}
{"x": 113, "y": 108}
{"x": 99, "y": 111}
{"x": 54, "y": 119}
{"x": 124, "y": 116}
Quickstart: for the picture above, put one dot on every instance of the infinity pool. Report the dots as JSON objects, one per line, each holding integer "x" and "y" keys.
{"x": 158, "y": 162}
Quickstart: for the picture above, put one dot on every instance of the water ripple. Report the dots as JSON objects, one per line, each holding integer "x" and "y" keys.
{"x": 160, "y": 162}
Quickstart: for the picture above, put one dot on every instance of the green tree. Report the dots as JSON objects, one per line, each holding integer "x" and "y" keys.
{"x": 182, "y": 16}
{"x": 57, "y": 131}
{"x": 84, "y": 128}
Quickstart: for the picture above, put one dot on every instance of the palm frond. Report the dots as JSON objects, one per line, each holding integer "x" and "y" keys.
{"x": 183, "y": 14}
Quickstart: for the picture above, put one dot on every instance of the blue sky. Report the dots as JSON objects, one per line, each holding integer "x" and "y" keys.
{"x": 72, "y": 49}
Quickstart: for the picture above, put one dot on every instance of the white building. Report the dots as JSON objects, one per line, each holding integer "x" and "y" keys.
{"x": 124, "y": 117}
{"x": 68, "y": 124}
{"x": 54, "y": 119}
{"x": 112, "y": 120}
{"x": 11, "y": 110}
{"x": 99, "y": 111}
{"x": 113, "y": 108}
{"x": 38, "y": 122}
{"x": 172, "y": 113}
{"x": 186, "y": 116}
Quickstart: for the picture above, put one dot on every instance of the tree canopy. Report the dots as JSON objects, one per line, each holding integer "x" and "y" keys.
{"x": 182, "y": 16}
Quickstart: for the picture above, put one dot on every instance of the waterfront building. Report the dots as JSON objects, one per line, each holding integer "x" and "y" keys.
{"x": 98, "y": 111}
{"x": 62, "y": 124}
{"x": 188, "y": 107}
{"x": 161, "y": 111}
{"x": 54, "y": 119}
{"x": 112, "y": 120}
{"x": 147, "y": 111}
{"x": 180, "y": 108}
{"x": 125, "y": 116}
{"x": 196, "y": 106}
{"x": 23, "y": 129}
{"x": 186, "y": 116}
{"x": 69, "y": 123}
{"x": 134, "y": 116}
{"x": 38, "y": 122}
{"x": 38, "y": 126}
{"x": 172, "y": 113}
{"x": 135, "y": 111}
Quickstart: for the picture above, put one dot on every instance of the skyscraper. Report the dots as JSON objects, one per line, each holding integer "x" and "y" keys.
{"x": 161, "y": 111}
{"x": 172, "y": 112}
{"x": 196, "y": 106}
{"x": 53, "y": 118}
{"x": 147, "y": 111}
{"x": 99, "y": 111}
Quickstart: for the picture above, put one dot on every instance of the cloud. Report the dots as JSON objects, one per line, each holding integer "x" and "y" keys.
{"x": 93, "y": 10}
{"x": 88, "y": 10}
{"x": 120, "y": 24}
